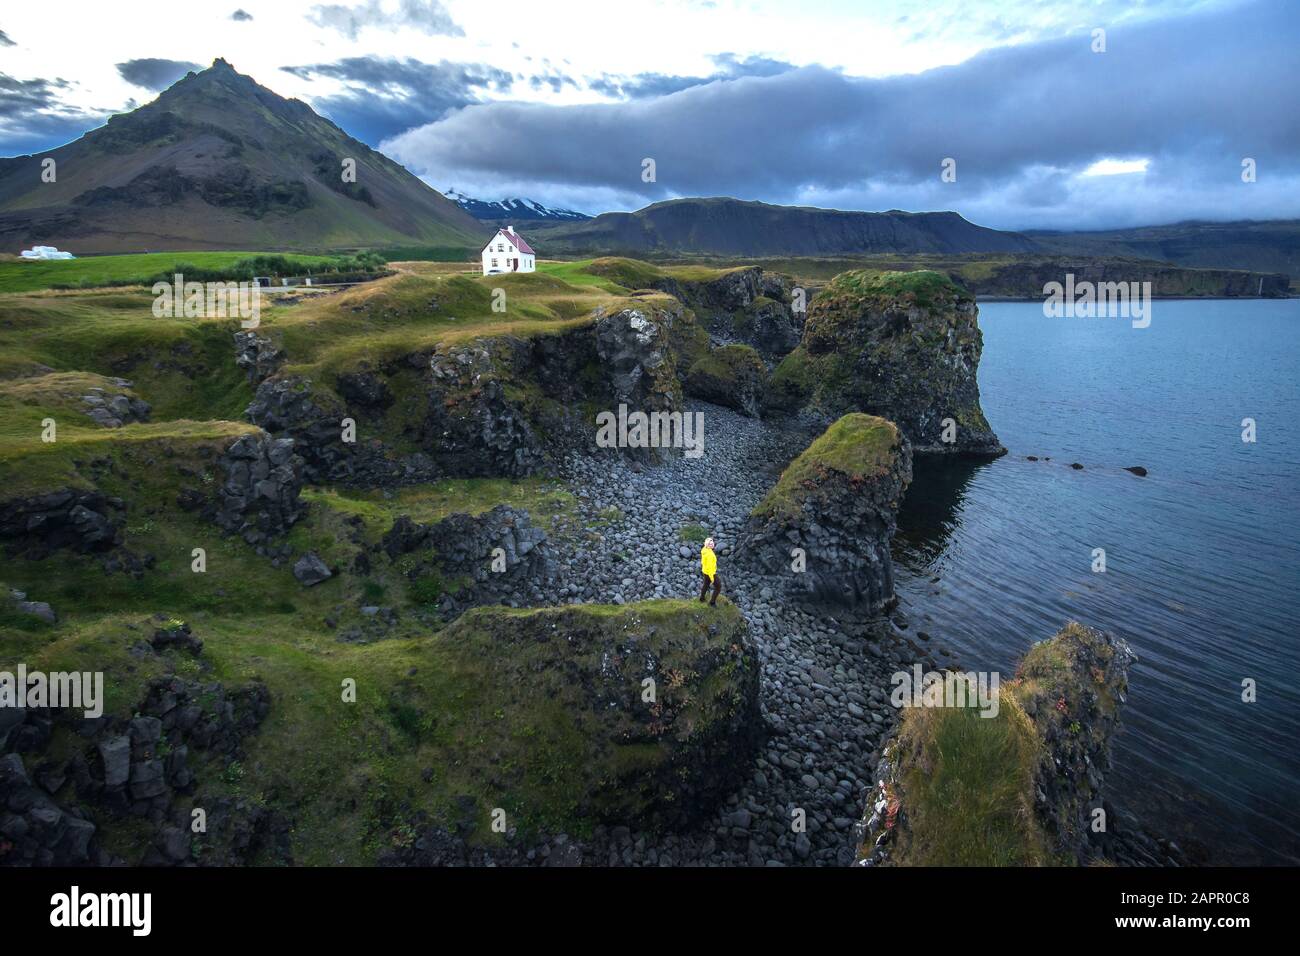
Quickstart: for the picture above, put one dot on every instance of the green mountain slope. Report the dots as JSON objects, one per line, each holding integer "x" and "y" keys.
{"x": 219, "y": 162}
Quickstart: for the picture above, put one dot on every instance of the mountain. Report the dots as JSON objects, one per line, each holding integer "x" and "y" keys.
{"x": 513, "y": 210}
{"x": 733, "y": 227}
{"x": 220, "y": 162}
{"x": 1271, "y": 246}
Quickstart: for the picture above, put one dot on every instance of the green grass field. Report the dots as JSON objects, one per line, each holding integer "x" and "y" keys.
{"x": 17, "y": 275}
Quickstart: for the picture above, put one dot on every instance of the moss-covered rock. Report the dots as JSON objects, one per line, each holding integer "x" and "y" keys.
{"x": 903, "y": 345}
{"x": 638, "y": 714}
{"x": 733, "y": 376}
{"x": 1016, "y": 784}
{"x": 837, "y": 503}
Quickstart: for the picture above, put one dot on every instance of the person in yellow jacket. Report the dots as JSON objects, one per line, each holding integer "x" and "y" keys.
{"x": 709, "y": 568}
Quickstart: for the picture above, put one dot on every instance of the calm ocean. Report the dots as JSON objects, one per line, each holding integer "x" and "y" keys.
{"x": 1202, "y": 555}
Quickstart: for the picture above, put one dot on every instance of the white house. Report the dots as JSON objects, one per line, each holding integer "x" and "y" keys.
{"x": 507, "y": 252}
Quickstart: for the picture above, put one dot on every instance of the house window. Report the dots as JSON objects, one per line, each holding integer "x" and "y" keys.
{"x": 501, "y": 247}
{"x": 494, "y": 261}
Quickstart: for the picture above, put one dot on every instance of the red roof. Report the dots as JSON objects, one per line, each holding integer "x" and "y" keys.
{"x": 517, "y": 239}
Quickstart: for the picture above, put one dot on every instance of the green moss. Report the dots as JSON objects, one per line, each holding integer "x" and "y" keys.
{"x": 968, "y": 789}
{"x": 858, "y": 447}
{"x": 694, "y": 533}
{"x": 728, "y": 363}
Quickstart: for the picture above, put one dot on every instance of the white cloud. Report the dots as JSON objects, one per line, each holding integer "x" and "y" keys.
{"x": 1116, "y": 167}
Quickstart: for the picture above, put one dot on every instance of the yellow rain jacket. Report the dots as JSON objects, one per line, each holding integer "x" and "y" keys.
{"x": 708, "y": 562}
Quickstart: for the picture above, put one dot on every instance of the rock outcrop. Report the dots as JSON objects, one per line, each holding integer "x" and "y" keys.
{"x": 659, "y": 702}
{"x": 1052, "y": 728}
{"x": 113, "y": 409}
{"x": 258, "y": 495}
{"x": 473, "y": 427}
{"x": 258, "y": 356}
{"x": 634, "y": 345}
{"x": 461, "y": 553}
{"x": 497, "y": 406}
{"x": 836, "y": 504}
{"x": 142, "y": 768}
{"x": 733, "y": 376}
{"x": 746, "y": 306}
{"x": 905, "y": 346}
{"x": 72, "y": 519}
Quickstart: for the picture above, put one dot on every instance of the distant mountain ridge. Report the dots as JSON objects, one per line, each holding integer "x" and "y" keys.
{"x": 513, "y": 210}
{"x": 733, "y": 227}
{"x": 1258, "y": 245}
{"x": 218, "y": 161}
{"x": 723, "y": 227}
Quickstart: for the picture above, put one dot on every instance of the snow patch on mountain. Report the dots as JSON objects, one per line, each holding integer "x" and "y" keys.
{"x": 512, "y": 208}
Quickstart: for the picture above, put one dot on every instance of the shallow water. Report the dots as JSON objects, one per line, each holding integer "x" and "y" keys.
{"x": 1202, "y": 555}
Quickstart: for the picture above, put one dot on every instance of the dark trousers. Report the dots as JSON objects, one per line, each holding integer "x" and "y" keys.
{"x": 716, "y": 582}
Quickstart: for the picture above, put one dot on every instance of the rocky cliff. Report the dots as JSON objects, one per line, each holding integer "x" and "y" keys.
{"x": 836, "y": 504}
{"x": 648, "y": 712}
{"x": 744, "y": 305}
{"x": 905, "y": 346}
{"x": 498, "y": 405}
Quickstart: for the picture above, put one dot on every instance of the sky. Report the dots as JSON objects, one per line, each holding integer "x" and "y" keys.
{"x": 1040, "y": 120}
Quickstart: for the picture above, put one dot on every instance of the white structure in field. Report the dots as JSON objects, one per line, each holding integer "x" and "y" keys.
{"x": 507, "y": 252}
{"x": 45, "y": 252}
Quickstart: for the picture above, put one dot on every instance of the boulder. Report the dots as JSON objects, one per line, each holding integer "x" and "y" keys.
{"x": 837, "y": 502}
{"x": 38, "y": 609}
{"x": 310, "y": 570}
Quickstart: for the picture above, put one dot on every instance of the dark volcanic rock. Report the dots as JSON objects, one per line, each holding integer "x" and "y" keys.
{"x": 311, "y": 570}
{"x": 746, "y": 305}
{"x": 258, "y": 495}
{"x": 836, "y": 502}
{"x": 68, "y": 518}
{"x": 473, "y": 428}
{"x": 258, "y": 356}
{"x": 634, "y": 345}
{"x": 463, "y": 548}
{"x": 733, "y": 376}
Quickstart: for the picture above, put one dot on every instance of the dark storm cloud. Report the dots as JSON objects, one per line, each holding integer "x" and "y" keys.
{"x": 427, "y": 16}
{"x": 155, "y": 74}
{"x": 20, "y": 98}
{"x": 386, "y": 96}
{"x": 1194, "y": 95}
{"x": 241, "y": 15}
{"x": 31, "y": 118}
{"x": 5, "y": 41}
